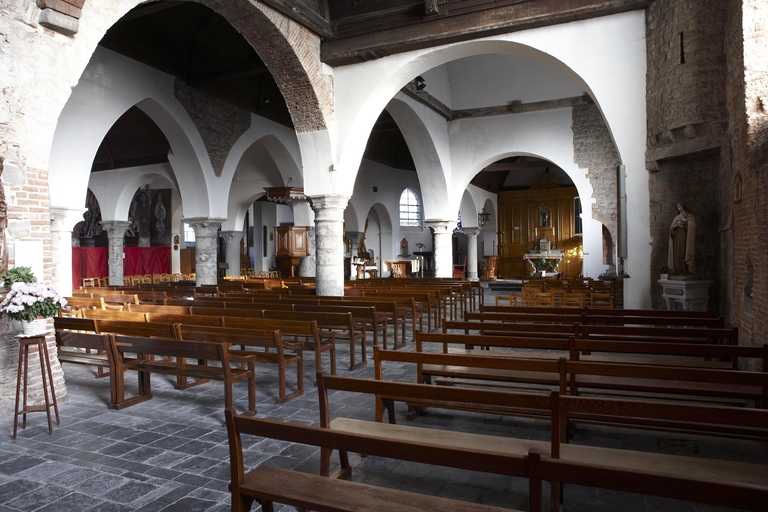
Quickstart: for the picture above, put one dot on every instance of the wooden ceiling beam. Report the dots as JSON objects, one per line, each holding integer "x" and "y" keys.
{"x": 417, "y": 32}
{"x": 243, "y": 69}
{"x": 312, "y": 15}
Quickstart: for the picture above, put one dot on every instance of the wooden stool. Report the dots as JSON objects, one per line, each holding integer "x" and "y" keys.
{"x": 45, "y": 367}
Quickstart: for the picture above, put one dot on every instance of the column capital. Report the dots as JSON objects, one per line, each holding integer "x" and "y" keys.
{"x": 232, "y": 237}
{"x": 64, "y": 219}
{"x": 204, "y": 226}
{"x": 115, "y": 228}
{"x": 440, "y": 226}
{"x": 471, "y": 232}
{"x": 329, "y": 207}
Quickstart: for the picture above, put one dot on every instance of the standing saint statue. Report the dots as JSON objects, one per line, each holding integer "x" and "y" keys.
{"x": 682, "y": 237}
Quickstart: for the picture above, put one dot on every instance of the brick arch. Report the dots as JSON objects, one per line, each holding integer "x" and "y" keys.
{"x": 292, "y": 55}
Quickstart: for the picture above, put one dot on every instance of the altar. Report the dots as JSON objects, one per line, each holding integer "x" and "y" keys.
{"x": 402, "y": 268}
{"x": 554, "y": 257}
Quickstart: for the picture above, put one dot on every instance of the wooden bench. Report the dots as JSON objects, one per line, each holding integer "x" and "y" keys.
{"x": 561, "y": 316}
{"x": 737, "y": 484}
{"x": 342, "y": 325}
{"x": 89, "y": 349}
{"x": 268, "y": 340}
{"x": 266, "y": 485}
{"x": 306, "y": 330}
{"x": 665, "y": 353}
{"x": 123, "y": 347}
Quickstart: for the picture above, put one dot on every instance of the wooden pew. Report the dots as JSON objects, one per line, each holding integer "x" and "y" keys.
{"x": 655, "y": 353}
{"x": 365, "y": 318}
{"x": 341, "y": 324}
{"x": 267, "y": 484}
{"x": 86, "y": 348}
{"x": 306, "y": 330}
{"x": 123, "y": 346}
{"x": 81, "y": 302}
{"x": 254, "y": 338}
{"x": 565, "y": 315}
{"x": 654, "y": 474}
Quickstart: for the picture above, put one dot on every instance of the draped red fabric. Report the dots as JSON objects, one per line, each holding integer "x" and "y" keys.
{"x": 88, "y": 262}
{"x": 146, "y": 260}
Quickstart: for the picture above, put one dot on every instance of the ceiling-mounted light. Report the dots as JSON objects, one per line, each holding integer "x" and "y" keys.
{"x": 482, "y": 217}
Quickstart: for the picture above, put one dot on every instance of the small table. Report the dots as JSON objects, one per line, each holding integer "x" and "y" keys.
{"x": 25, "y": 342}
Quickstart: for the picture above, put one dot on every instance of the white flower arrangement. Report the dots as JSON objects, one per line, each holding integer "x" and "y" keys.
{"x": 27, "y": 301}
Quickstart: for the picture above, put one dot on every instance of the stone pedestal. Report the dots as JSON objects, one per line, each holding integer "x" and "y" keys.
{"x": 206, "y": 245}
{"x": 354, "y": 247}
{"x": 116, "y": 232}
{"x": 472, "y": 253}
{"x": 63, "y": 220}
{"x": 442, "y": 230}
{"x": 232, "y": 251}
{"x": 329, "y": 243}
{"x": 686, "y": 295}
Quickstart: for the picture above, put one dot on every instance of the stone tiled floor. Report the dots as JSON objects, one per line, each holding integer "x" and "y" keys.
{"x": 171, "y": 452}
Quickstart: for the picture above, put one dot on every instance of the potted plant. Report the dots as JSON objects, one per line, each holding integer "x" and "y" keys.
{"x": 664, "y": 272}
{"x": 32, "y": 304}
{"x": 544, "y": 265}
{"x": 18, "y": 275}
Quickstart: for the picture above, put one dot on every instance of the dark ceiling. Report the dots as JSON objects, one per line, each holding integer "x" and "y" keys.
{"x": 197, "y": 46}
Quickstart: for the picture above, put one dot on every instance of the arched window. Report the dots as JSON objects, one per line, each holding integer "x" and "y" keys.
{"x": 409, "y": 209}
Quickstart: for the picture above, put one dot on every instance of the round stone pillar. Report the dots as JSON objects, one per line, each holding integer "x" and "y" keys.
{"x": 329, "y": 243}
{"x": 116, "y": 233}
{"x": 62, "y": 222}
{"x": 442, "y": 231}
{"x": 232, "y": 250}
{"x": 471, "y": 252}
{"x": 206, "y": 248}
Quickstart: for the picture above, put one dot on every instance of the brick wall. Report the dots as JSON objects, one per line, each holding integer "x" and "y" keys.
{"x": 593, "y": 149}
{"x": 219, "y": 123}
{"x": 746, "y": 44}
{"x": 687, "y": 127}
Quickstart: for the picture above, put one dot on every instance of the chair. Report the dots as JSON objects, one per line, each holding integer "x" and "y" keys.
{"x": 89, "y": 282}
{"x": 460, "y": 269}
{"x": 542, "y": 299}
{"x": 572, "y": 300}
{"x": 102, "y": 282}
{"x": 601, "y": 301}
{"x": 514, "y": 298}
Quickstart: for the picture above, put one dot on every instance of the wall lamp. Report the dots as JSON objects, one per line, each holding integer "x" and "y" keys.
{"x": 482, "y": 217}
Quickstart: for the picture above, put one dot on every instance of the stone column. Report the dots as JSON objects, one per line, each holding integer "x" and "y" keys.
{"x": 442, "y": 230}
{"x": 206, "y": 248}
{"x": 354, "y": 246}
{"x": 116, "y": 233}
{"x": 471, "y": 252}
{"x": 329, "y": 243}
{"x": 307, "y": 265}
{"x": 232, "y": 250}
{"x": 62, "y": 222}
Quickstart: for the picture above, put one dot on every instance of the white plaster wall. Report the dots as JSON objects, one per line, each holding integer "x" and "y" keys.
{"x": 439, "y": 83}
{"x": 115, "y": 189}
{"x": 390, "y": 183}
{"x": 477, "y": 143}
{"x": 109, "y": 86}
{"x": 603, "y": 56}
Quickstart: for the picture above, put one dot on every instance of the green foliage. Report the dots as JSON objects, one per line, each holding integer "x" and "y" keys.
{"x": 544, "y": 265}
{"x": 19, "y": 275}
{"x": 664, "y": 269}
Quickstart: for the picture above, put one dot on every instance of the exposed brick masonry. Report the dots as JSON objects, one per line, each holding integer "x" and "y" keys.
{"x": 219, "y": 123}
{"x": 593, "y": 148}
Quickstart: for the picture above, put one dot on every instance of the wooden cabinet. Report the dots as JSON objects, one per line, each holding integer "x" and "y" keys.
{"x": 526, "y": 216}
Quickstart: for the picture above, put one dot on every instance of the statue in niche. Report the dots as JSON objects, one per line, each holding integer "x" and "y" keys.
{"x": 544, "y": 216}
{"x": 682, "y": 238}
{"x": 404, "y": 247}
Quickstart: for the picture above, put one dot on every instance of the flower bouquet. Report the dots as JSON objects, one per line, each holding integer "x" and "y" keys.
{"x": 29, "y": 301}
